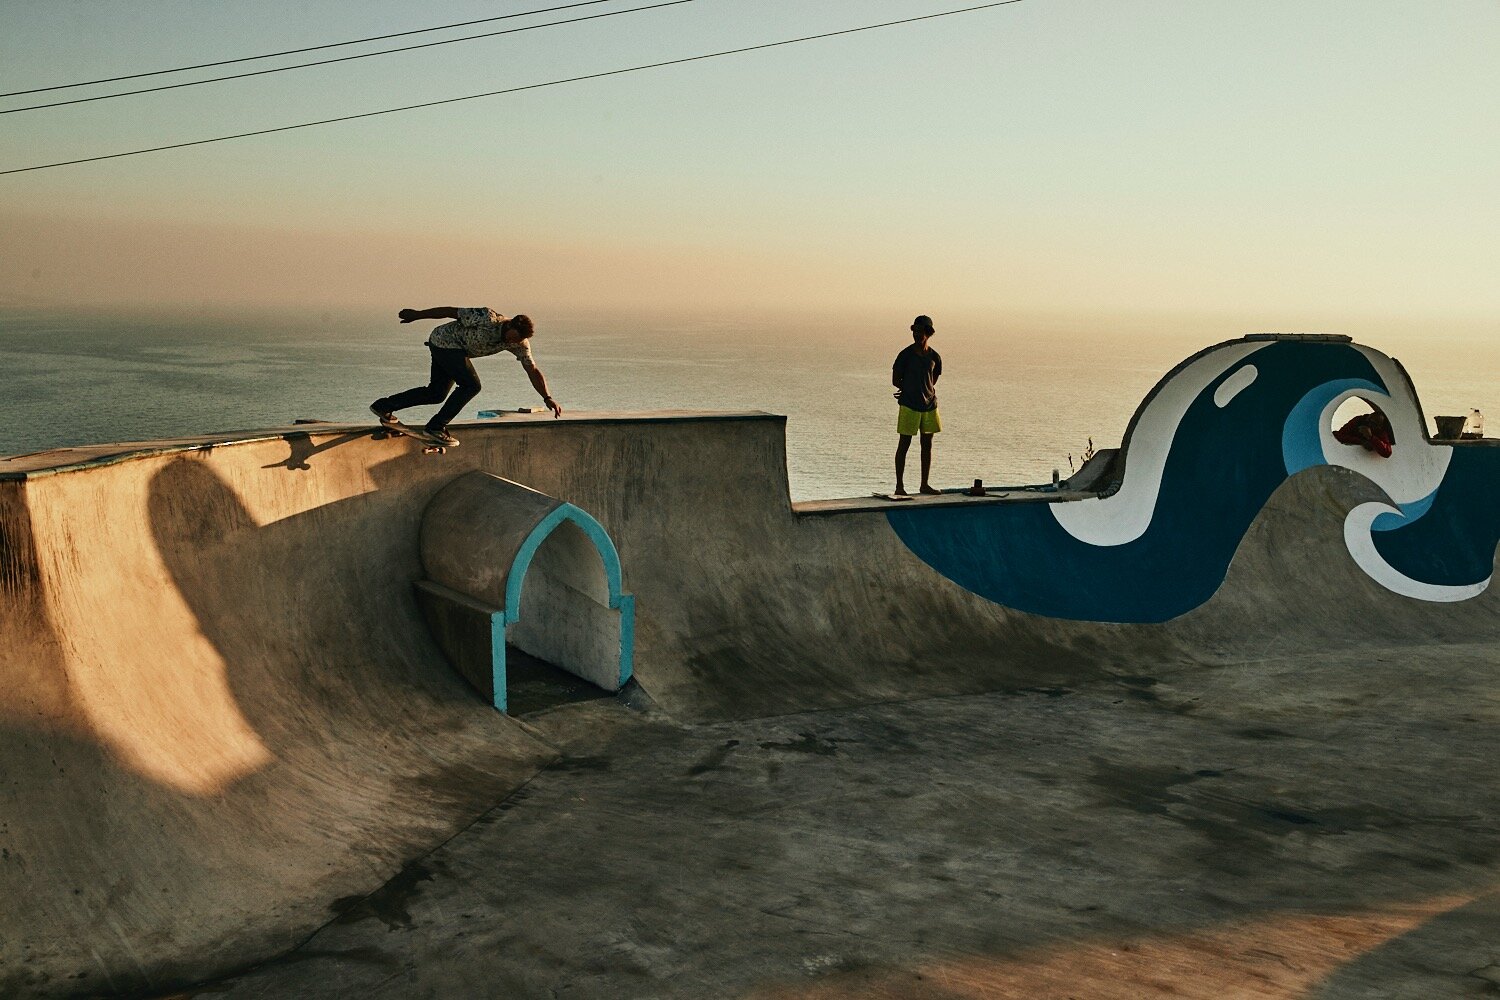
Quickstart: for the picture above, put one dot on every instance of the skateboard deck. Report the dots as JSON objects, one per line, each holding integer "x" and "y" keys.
{"x": 431, "y": 445}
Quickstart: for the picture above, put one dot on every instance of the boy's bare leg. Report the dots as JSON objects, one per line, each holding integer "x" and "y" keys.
{"x": 904, "y": 442}
{"x": 926, "y": 463}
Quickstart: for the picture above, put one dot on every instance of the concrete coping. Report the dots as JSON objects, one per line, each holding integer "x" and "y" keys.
{"x": 1330, "y": 338}
{"x": 955, "y": 498}
{"x": 52, "y": 461}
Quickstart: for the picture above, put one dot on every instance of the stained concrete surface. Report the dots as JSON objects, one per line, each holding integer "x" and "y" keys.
{"x": 1318, "y": 826}
{"x": 225, "y": 723}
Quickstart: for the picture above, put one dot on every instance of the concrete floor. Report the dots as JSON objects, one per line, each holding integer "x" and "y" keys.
{"x": 1322, "y": 827}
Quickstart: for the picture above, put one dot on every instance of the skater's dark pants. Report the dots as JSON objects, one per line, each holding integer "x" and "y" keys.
{"x": 449, "y": 366}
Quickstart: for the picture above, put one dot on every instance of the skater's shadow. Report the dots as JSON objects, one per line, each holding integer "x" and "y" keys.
{"x": 303, "y": 448}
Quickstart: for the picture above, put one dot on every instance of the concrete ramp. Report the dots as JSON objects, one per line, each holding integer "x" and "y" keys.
{"x": 221, "y": 718}
{"x": 225, "y": 713}
{"x": 506, "y": 564}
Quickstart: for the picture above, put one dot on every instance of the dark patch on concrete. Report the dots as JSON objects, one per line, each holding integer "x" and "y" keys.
{"x": 1422, "y": 863}
{"x": 805, "y": 743}
{"x": 362, "y": 956}
{"x": 1154, "y": 791}
{"x": 1242, "y": 828}
{"x": 1050, "y": 692}
{"x": 369, "y": 957}
{"x": 1146, "y": 790}
{"x": 711, "y": 664}
{"x": 732, "y": 682}
{"x": 1490, "y": 974}
{"x": 460, "y": 786}
{"x": 714, "y": 760}
{"x": 1264, "y": 734}
{"x": 884, "y": 737}
{"x": 388, "y": 904}
{"x": 534, "y": 685}
{"x": 567, "y": 765}
{"x": 1282, "y": 816}
{"x": 1138, "y": 687}
{"x": 1363, "y": 818}
{"x": 512, "y": 800}
{"x": 205, "y": 989}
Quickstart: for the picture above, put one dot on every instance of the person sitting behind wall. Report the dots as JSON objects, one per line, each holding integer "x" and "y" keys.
{"x": 1370, "y": 431}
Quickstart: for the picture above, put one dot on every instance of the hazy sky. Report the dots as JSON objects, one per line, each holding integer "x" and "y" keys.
{"x": 1288, "y": 162}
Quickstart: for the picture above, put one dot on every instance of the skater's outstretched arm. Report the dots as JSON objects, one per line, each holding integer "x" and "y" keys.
{"x": 539, "y": 383}
{"x": 437, "y": 312}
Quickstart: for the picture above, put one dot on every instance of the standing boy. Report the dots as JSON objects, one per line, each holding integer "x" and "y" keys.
{"x": 915, "y": 376}
{"x": 474, "y": 333}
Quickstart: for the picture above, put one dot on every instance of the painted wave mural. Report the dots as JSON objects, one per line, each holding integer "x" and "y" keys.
{"x": 1210, "y": 445}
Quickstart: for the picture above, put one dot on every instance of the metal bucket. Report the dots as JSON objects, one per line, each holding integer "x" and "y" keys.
{"x": 1449, "y": 428}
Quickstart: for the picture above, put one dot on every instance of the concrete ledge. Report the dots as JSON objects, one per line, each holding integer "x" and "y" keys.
{"x": 1017, "y": 494}
{"x": 464, "y": 629}
{"x": 51, "y": 461}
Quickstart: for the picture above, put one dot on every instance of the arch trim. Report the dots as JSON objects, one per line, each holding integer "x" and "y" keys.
{"x": 596, "y": 534}
{"x": 614, "y": 580}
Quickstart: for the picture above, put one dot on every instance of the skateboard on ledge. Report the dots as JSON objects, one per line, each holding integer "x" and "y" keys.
{"x": 430, "y": 444}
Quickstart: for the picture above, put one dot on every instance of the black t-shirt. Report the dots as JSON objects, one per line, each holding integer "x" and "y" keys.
{"x": 915, "y": 374}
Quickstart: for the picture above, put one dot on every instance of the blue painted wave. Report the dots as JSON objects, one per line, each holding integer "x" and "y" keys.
{"x": 1449, "y": 538}
{"x": 1223, "y": 463}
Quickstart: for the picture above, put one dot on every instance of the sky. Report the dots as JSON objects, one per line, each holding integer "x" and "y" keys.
{"x": 1279, "y": 164}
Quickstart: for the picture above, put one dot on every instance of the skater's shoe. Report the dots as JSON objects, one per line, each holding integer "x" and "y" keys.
{"x": 441, "y": 436}
{"x": 386, "y": 417}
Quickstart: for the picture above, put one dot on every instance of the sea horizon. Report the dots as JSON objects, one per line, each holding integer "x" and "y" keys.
{"x": 1019, "y": 397}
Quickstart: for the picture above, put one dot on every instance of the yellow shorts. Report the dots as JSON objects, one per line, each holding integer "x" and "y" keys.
{"x": 909, "y": 421}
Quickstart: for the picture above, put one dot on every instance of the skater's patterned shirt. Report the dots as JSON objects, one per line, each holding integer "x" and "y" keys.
{"x": 477, "y": 333}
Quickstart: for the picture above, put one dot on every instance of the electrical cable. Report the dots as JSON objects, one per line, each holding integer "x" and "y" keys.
{"x": 339, "y": 59}
{"x": 310, "y": 48}
{"x": 516, "y": 90}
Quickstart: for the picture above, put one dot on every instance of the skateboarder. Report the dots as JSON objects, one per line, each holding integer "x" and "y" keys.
{"x": 915, "y": 376}
{"x": 474, "y": 333}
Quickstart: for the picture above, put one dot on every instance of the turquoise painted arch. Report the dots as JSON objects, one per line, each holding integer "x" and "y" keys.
{"x": 619, "y": 601}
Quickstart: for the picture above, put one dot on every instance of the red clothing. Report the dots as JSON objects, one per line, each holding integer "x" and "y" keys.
{"x": 1370, "y": 431}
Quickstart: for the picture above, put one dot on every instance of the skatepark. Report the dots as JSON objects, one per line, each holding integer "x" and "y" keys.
{"x": 1212, "y": 718}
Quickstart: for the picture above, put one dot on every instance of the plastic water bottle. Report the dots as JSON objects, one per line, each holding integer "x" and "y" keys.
{"x": 1475, "y": 424}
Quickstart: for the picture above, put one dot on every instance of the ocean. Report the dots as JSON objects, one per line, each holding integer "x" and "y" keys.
{"x": 1018, "y": 400}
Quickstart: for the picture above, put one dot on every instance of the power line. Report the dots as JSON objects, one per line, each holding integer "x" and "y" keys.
{"x": 516, "y": 90}
{"x": 310, "y": 48}
{"x": 339, "y": 59}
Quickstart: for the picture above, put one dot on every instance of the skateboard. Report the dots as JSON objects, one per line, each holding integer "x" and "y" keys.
{"x": 430, "y": 445}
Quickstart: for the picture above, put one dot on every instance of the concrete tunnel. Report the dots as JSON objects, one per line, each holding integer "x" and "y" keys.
{"x": 505, "y": 563}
